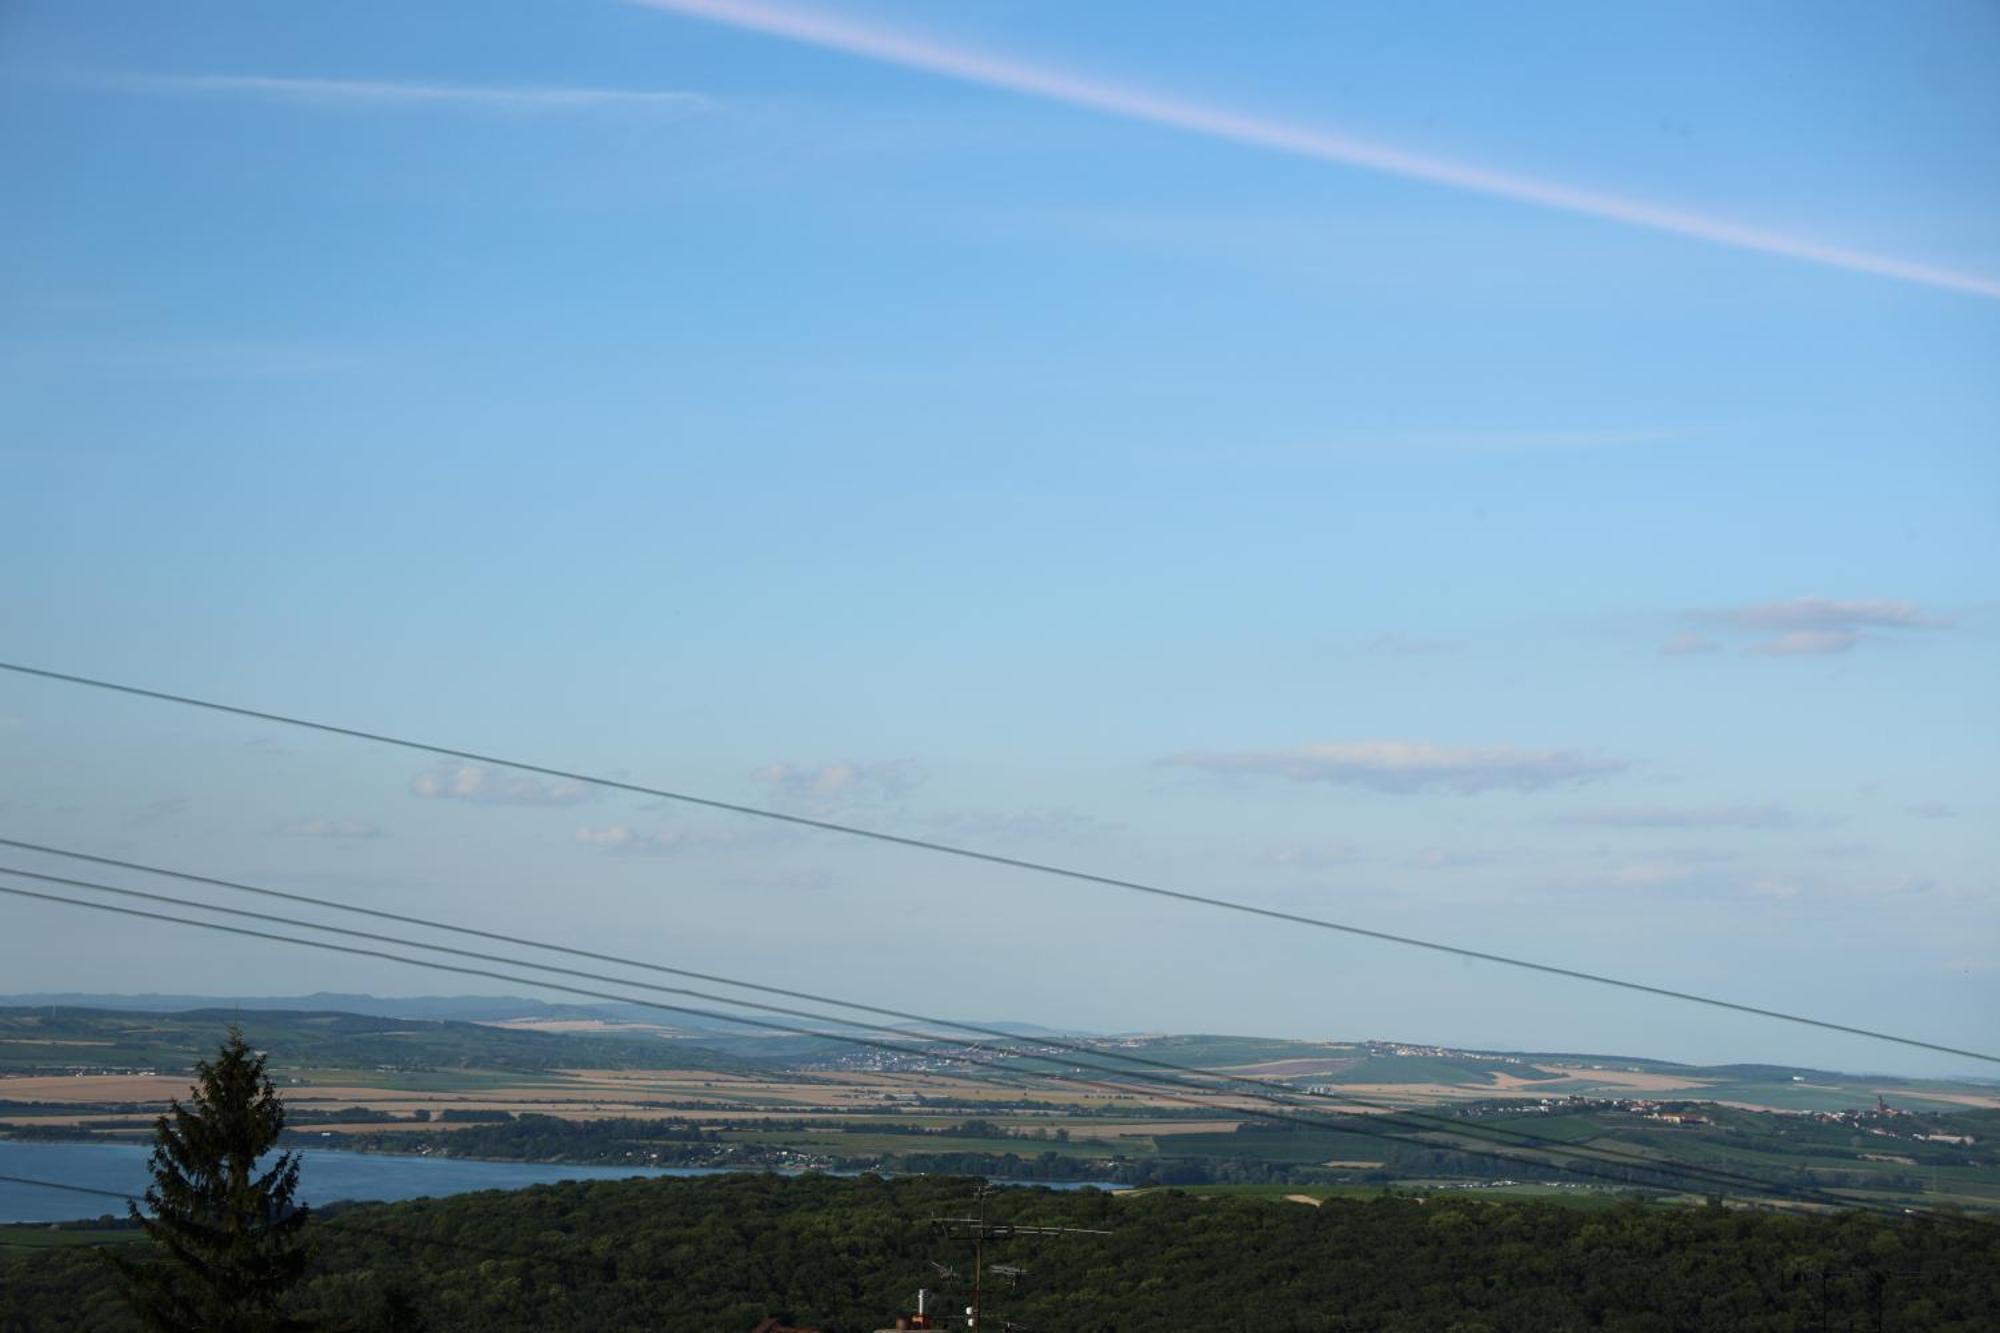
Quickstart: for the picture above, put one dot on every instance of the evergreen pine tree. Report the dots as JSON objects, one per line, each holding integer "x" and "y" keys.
{"x": 227, "y": 1242}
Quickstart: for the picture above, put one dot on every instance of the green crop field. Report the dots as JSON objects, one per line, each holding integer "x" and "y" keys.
{"x": 1789, "y": 1096}
{"x": 1223, "y": 1052}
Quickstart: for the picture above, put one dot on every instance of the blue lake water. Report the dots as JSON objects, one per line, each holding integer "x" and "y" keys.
{"x": 326, "y": 1175}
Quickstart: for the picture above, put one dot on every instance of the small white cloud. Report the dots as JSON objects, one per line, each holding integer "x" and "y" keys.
{"x": 1825, "y": 613}
{"x": 843, "y": 782}
{"x": 1405, "y": 767}
{"x": 1701, "y": 817}
{"x": 1814, "y": 626}
{"x": 484, "y": 785}
{"x": 1686, "y": 644}
{"x": 1807, "y": 643}
{"x": 333, "y": 828}
{"x": 625, "y": 838}
{"x": 1930, "y": 810}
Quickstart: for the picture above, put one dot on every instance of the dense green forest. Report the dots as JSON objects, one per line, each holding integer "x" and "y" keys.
{"x": 716, "y": 1255}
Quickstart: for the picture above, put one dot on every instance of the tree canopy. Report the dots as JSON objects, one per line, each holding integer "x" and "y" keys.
{"x": 228, "y": 1244}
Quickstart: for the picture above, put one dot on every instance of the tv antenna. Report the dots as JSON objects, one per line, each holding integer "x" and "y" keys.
{"x": 979, "y": 1231}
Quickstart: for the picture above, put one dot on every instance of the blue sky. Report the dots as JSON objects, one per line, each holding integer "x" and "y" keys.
{"x": 629, "y": 390}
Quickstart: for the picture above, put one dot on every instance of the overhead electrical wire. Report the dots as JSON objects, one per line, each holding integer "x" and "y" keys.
{"x": 1707, "y": 1177}
{"x": 911, "y": 1016}
{"x": 993, "y": 858}
{"x": 1362, "y": 1126}
{"x": 1275, "y": 1093}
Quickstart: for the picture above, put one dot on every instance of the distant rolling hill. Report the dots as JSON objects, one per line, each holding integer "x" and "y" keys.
{"x": 1443, "y": 1070}
{"x": 59, "y": 1031}
{"x": 464, "y": 1008}
{"x": 56, "y": 1039}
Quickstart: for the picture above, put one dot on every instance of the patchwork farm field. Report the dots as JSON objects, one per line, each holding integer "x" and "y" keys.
{"x": 1277, "y": 1118}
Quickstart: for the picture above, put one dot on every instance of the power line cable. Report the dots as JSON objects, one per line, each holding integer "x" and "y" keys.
{"x": 467, "y": 953}
{"x": 932, "y": 1020}
{"x": 810, "y": 1015}
{"x": 1704, "y": 1176}
{"x": 474, "y": 932}
{"x": 995, "y": 858}
{"x": 1263, "y": 1089}
{"x": 900, "y": 1049}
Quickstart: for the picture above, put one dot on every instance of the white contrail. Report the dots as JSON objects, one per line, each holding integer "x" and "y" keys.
{"x": 1054, "y": 85}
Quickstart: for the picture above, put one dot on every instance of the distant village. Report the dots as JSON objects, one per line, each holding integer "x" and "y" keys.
{"x": 1882, "y": 1119}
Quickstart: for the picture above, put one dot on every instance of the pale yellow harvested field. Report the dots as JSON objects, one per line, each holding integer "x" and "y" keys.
{"x": 1496, "y": 1085}
{"x": 1983, "y": 1101}
{"x": 1637, "y": 1080}
{"x": 1970, "y": 1099}
{"x": 1747, "y": 1106}
{"x": 400, "y": 1099}
{"x": 588, "y": 1025}
{"x": 1514, "y": 1086}
{"x": 1513, "y": 1082}
{"x": 94, "y": 1088}
{"x": 1416, "y": 1092}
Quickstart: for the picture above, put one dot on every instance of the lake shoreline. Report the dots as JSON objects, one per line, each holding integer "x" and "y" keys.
{"x": 79, "y": 1168}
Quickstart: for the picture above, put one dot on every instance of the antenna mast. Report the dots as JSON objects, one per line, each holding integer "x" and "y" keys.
{"x": 978, "y": 1228}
